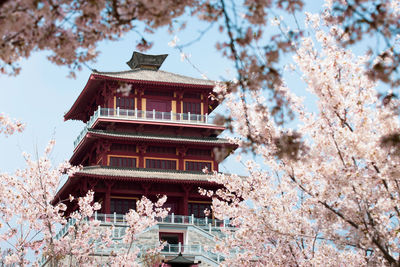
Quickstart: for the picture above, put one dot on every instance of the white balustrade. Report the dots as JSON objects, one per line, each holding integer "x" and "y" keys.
{"x": 153, "y": 115}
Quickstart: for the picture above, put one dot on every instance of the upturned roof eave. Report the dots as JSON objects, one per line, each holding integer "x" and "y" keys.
{"x": 68, "y": 115}
{"x": 142, "y": 174}
{"x": 167, "y": 139}
{"x": 99, "y": 76}
{"x": 90, "y": 134}
{"x": 133, "y": 178}
{"x": 155, "y": 82}
{"x": 65, "y": 186}
{"x": 62, "y": 196}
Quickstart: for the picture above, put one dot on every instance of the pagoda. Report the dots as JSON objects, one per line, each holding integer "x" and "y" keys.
{"x": 148, "y": 133}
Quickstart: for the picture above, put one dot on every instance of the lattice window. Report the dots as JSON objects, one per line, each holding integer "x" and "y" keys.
{"x": 198, "y": 152}
{"x": 197, "y": 166}
{"x": 192, "y": 95}
{"x": 125, "y": 103}
{"x": 159, "y": 93}
{"x": 123, "y": 147}
{"x": 123, "y": 162}
{"x": 161, "y": 150}
{"x": 122, "y": 206}
{"x": 161, "y": 164}
{"x": 192, "y": 107}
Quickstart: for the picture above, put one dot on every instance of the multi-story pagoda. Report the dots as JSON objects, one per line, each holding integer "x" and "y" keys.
{"x": 148, "y": 133}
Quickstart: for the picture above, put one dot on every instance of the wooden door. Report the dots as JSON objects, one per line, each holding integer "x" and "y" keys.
{"x": 159, "y": 106}
{"x": 172, "y": 240}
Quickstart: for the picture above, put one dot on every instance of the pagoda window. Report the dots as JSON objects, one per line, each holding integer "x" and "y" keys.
{"x": 123, "y": 162}
{"x": 123, "y": 147}
{"x": 198, "y": 208}
{"x": 158, "y": 105}
{"x": 121, "y": 205}
{"x": 192, "y": 95}
{"x": 192, "y": 107}
{"x": 125, "y": 103}
{"x": 161, "y": 164}
{"x": 198, "y": 152}
{"x": 161, "y": 150}
{"x": 158, "y": 93}
{"x": 197, "y": 166}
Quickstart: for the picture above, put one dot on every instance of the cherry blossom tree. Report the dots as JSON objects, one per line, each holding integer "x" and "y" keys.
{"x": 138, "y": 221}
{"x": 8, "y": 126}
{"x": 327, "y": 193}
{"x": 30, "y": 222}
{"x": 328, "y": 190}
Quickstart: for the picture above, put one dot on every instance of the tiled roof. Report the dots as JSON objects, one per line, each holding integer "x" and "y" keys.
{"x": 180, "y": 139}
{"x": 154, "y": 75}
{"x": 105, "y": 171}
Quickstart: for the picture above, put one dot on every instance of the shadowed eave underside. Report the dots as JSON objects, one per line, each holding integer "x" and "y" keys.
{"x": 162, "y": 138}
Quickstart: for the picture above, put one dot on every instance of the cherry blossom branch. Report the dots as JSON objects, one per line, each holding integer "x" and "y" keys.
{"x": 8, "y": 126}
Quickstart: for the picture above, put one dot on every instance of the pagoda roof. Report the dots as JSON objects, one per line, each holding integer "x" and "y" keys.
{"x": 107, "y": 172}
{"x": 158, "y": 76}
{"x": 131, "y": 174}
{"x": 162, "y": 138}
{"x": 95, "y": 134}
{"x": 180, "y": 260}
{"x": 141, "y": 76}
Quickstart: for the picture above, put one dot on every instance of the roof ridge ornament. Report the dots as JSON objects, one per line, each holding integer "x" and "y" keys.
{"x": 143, "y": 61}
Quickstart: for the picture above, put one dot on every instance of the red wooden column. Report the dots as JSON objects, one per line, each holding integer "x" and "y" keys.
{"x": 142, "y": 150}
{"x": 203, "y": 103}
{"x": 205, "y": 99}
{"x": 107, "y": 198}
{"x": 101, "y": 150}
{"x": 215, "y": 166}
{"x": 104, "y": 95}
{"x": 186, "y": 189}
{"x": 107, "y": 93}
{"x": 139, "y": 98}
{"x": 181, "y": 153}
{"x": 179, "y": 95}
{"x": 146, "y": 188}
{"x": 186, "y": 204}
{"x": 181, "y": 163}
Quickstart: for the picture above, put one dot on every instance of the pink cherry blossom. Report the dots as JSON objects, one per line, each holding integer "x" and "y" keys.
{"x": 8, "y": 126}
{"x": 327, "y": 194}
{"x": 30, "y": 221}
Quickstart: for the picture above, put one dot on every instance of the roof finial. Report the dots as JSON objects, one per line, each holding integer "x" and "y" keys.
{"x": 143, "y": 61}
